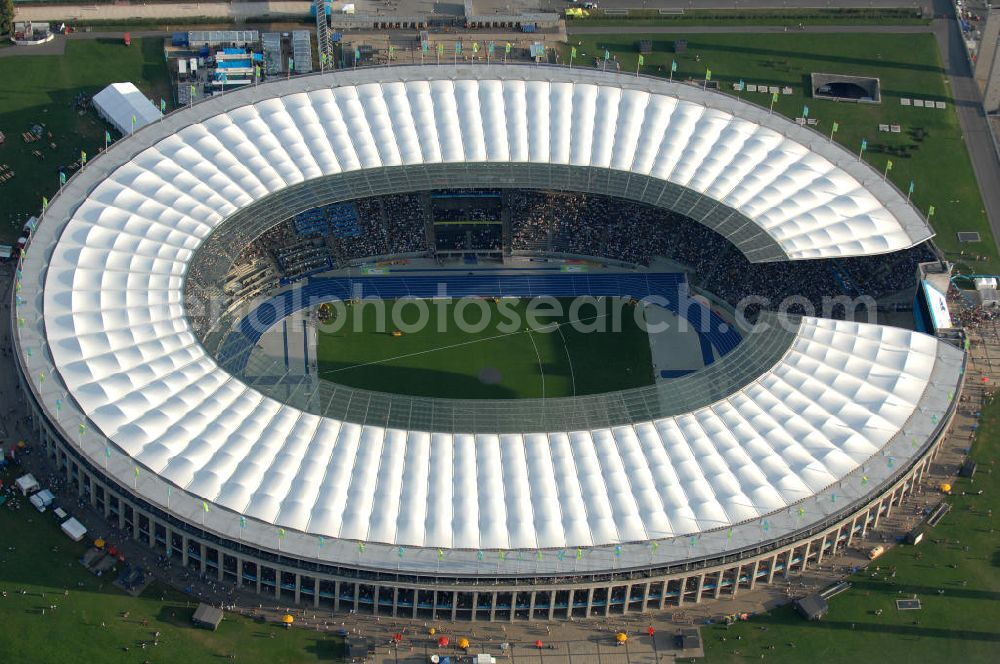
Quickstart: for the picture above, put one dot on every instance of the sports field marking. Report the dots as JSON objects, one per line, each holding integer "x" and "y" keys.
{"x": 541, "y": 369}
{"x": 458, "y": 345}
{"x": 569, "y": 358}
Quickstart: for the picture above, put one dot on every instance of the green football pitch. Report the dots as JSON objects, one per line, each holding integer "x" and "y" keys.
{"x": 503, "y": 358}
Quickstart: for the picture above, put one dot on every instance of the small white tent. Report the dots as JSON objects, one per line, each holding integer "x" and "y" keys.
{"x": 73, "y": 529}
{"x": 27, "y": 484}
{"x": 120, "y": 102}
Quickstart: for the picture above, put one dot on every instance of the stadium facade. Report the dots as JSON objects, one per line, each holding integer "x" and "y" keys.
{"x": 782, "y": 452}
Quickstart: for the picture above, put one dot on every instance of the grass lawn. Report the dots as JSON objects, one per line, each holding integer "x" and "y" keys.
{"x": 786, "y": 16}
{"x": 43, "y": 562}
{"x": 500, "y": 361}
{"x": 959, "y": 625}
{"x": 930, "y": 150}
{"x": 41, "y": 90}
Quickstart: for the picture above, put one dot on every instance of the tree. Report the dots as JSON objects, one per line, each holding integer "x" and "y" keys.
{"x": 6, "y": 17}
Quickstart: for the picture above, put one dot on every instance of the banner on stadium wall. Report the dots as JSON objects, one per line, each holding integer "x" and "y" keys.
{"x": 573, "y": 268}
{"x": 371, "y": 269}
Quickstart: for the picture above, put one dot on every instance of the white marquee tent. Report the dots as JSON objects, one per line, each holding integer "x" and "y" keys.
{"x": 74, "y": 529}
{"x": 120, "y": 102}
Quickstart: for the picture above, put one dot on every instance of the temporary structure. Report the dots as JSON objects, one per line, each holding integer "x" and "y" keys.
{"x": 27, "y": 484}
{"x": 73, "y": 529}
{"x": 127, "y": 109}
{"x": 207, "y": 616}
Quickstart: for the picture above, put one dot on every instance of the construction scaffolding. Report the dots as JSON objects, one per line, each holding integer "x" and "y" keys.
{"x": 302, "y": 52}
{"x": 323, "y": 43}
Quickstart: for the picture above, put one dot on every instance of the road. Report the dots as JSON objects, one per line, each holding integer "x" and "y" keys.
{"x": 742, "y": 29}
{"x": 971, "y": 117}
{"x": 559, "y": 5}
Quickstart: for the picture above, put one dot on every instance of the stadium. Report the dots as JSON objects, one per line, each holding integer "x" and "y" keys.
{"x": 795, "y": 437}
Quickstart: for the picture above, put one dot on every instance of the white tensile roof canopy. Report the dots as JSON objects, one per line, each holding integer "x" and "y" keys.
{"x": 120, "y": 102}
{"x": 104, "y": 302}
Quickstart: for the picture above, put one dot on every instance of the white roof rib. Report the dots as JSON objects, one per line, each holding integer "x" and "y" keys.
{"x": 103, "y": 311}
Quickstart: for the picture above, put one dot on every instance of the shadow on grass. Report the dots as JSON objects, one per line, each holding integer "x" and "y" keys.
{"x": 910, "y": 588}
{"x": 413, "y": 381}
{"x": 911, "y": 630}
{"x": 781, "y": 57}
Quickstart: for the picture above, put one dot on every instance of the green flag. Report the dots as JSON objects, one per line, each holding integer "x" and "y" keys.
{"x": 424, "y": 47}
{"x": 458, "y": 47}
{"x": 204, "y": 506}
{"x": 243, "y": 522}
{"x": 502, "y": 555}
{"x": 107, "y": 136}
{"x": 281, "y": 533}
{"x": 673, "y": 66}
{"x": 642, "y": 61}
{"x": 572, "y": 52}
{"x": 62, "y": 178}
{"x": 45, "y": 203}
{"x": 83, "y": 158}
{"x": 774, "y": 98}
{"x": 361, "y": 547}
{"x": 708, "y": 74}
{"x": 911, "y": 187}
{"x": 607, "y": 54}
{"x": 507, "y": 48}
{"x": 475, "y": 47}
{"x": 440, "y": 48}
{"x": 392, "y": 51}
{"x": 490, "y": 47}
{"x": 194, "y": 91}
{"x": 579, "y": 554}
{"x": 401, "y": 551}
{"x": 836, "y": 126}
{"x": 440, "y": 555}
{"x": 888, "y": 166}
{"x": 163, "y": 105}
{"x": 930, "y": 211}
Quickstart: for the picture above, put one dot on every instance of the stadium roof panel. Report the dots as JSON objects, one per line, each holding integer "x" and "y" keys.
{"x": 102, "y": 307}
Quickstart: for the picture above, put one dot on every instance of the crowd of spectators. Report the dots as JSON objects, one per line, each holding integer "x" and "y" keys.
{"x": 587, "y": 225}
{"x": 388, "y": 225}
{"x": 602, "y": 226}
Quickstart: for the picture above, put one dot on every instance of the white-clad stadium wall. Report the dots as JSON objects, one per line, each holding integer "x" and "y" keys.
{"x": 107, "y": 350}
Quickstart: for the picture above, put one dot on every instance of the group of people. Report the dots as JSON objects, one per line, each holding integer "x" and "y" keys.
{"x": 592, "y": 225}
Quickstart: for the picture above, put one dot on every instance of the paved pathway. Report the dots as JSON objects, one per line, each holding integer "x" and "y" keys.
{"x": 574, "y": 29}
{"x": 971, "y": 117}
